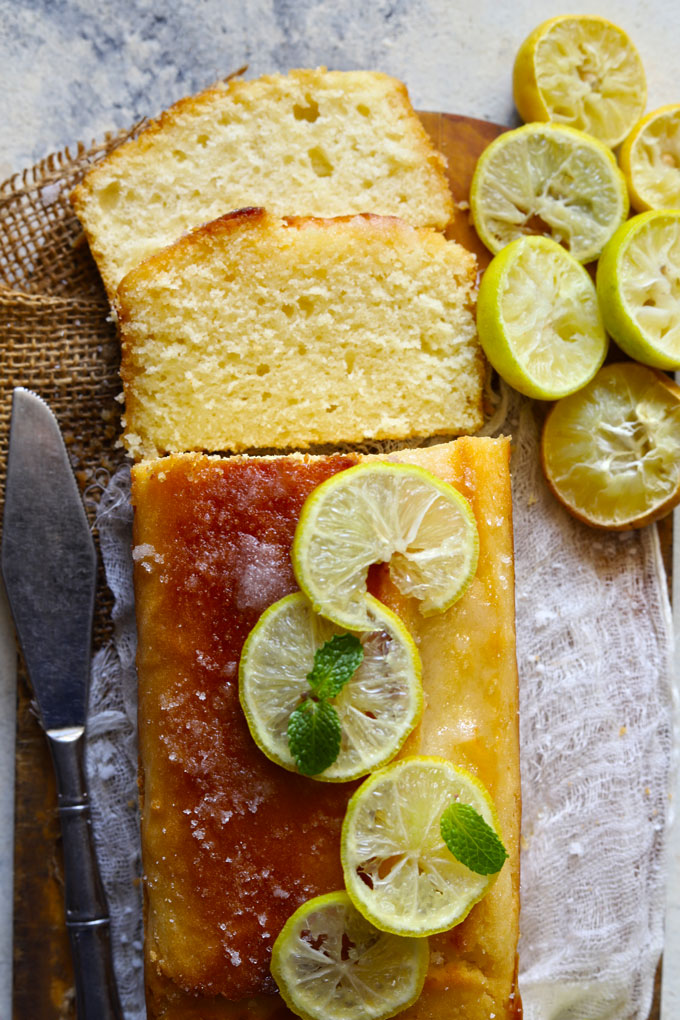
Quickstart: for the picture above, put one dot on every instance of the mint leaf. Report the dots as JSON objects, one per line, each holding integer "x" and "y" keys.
{"x": 314, "y": 731}
{"x": 471, "y": 840}
{"x": 314, "y": 736}
{"x": 334, "y": 664}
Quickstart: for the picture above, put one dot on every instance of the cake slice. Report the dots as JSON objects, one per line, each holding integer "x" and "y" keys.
{"x": 311, "y": 142}
{"x": 257, "y": 332}
{"x": 232, "y": 843}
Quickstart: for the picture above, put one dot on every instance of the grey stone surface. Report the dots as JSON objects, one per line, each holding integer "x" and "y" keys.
{"x": 72, "y": 69}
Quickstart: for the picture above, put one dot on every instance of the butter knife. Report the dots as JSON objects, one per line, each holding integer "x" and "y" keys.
{"x": 49, "y": 566}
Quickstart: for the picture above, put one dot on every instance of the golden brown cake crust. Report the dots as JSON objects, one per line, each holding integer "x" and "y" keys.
{"x": 284, "y": 137}
{"x": 225, "y": 832}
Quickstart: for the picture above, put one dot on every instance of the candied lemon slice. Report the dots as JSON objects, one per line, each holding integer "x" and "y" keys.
{"x": 398, "y": 870}
{"x": 611, "y": 452}
{"x": 548, "y": 179}
{"x": 581, "y": 70}
{"x": 538, "y": 319}
{"x": 377, "y": 707}
{"x": 330, "y": 963}
{"x": 638, "y": 284}
{"x": 650, "y": 160}
{"x": 377, "y": 512}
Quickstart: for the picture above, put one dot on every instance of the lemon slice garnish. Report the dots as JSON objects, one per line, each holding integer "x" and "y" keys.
{"x": 583, "y": 71}
{"x": 398, "y": 870}
{"x": 548, "y": 179}
{"x": 330, "y": 963}
{"x": 378, "y": 512}
{"x": 378, "y": 707}
{"x": 611, "y": 452}
{"x": 650, "y": 160}
{"x": 538, "y": 319}
{"x": 638, "y": 284}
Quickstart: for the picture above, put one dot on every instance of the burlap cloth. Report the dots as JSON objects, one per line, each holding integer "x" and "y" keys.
{"x": 594, "y": 649}
{"x": 56, "y": 336}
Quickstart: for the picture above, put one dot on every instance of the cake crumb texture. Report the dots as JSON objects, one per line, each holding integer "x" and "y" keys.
{"x": 312, "y": 142}
{"x": 255, "y": 331}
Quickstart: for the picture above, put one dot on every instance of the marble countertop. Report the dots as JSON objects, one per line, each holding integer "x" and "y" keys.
{"x": 73, "y": 69}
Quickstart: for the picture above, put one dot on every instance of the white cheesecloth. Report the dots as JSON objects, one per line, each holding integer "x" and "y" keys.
{"x": 594, "y": 646}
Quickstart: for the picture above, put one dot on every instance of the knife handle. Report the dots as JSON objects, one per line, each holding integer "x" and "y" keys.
{"x": 87, "y": 916}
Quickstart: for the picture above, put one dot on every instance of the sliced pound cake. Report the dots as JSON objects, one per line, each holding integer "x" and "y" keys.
{"x": 255, "y": 331}
{"x": 310, "y": 142}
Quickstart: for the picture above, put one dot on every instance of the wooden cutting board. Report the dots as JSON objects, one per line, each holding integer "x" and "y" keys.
{"x": 43, "y": 979}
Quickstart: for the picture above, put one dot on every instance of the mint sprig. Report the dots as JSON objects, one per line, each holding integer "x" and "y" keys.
{"x": 471, "y": 840}
{"x": 314, "y": 730}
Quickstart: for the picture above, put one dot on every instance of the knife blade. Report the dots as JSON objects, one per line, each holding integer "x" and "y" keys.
{"x": 49, "y": 566}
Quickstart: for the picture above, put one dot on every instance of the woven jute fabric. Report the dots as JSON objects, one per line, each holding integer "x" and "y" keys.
{"x": 56, "y": 334}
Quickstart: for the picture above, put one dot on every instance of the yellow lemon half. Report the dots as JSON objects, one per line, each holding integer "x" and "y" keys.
{"x": 538, "y": 319}
{"x": 583, "y": 71}
{"x": 638, "y": 285}
{"x": 551, "y": 180}
{"x": 650, "y": 160}
{"x": 611, "y": 452}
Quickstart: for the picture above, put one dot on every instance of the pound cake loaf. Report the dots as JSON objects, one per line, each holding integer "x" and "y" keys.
{"x": 232, "y": 843}
{"x": 311, "y": 142}
{"x": 257, "y": 332}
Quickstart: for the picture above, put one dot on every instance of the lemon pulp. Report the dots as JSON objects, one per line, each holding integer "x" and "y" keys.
{"x": 331, "y": 964}
{"x": 611, "y": 452}
{"x": 398, "y": 871}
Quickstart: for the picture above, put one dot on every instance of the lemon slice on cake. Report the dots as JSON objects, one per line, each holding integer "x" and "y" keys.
{"x": 650, "y": 160}
{"x": 548, "y": 179}
{"x": 376, "y": 708}
{"x": 580, "y": 70}
{"x": 538, "y": 319}
{"x": 611, "y": 452}
{"x": 330, "y": 963}
{"x": 398, "y": 868}
{"x": 377, "y": 512}
{"x": 638, "y": 284}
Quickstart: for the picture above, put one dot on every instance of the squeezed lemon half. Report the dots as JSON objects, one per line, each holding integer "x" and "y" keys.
{"x": 378, "y": 707}
{"x": 398, "y": 870}
{"x": 330, "y": 963}
{"x": 650, "y": 160}
{"x": 548, "y": 179}
{"x": 538, "y": 319}
{"x": 583, "y": 71}
{"x": 638, "y": 284}
{"x": 611, "y": 452}
{"x": 377, "y": 512}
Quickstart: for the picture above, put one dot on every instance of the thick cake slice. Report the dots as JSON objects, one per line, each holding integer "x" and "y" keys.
{"x": 232, "y": 843}
{"x": 255, "y": 331}
{"x": 310, "y": 142}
